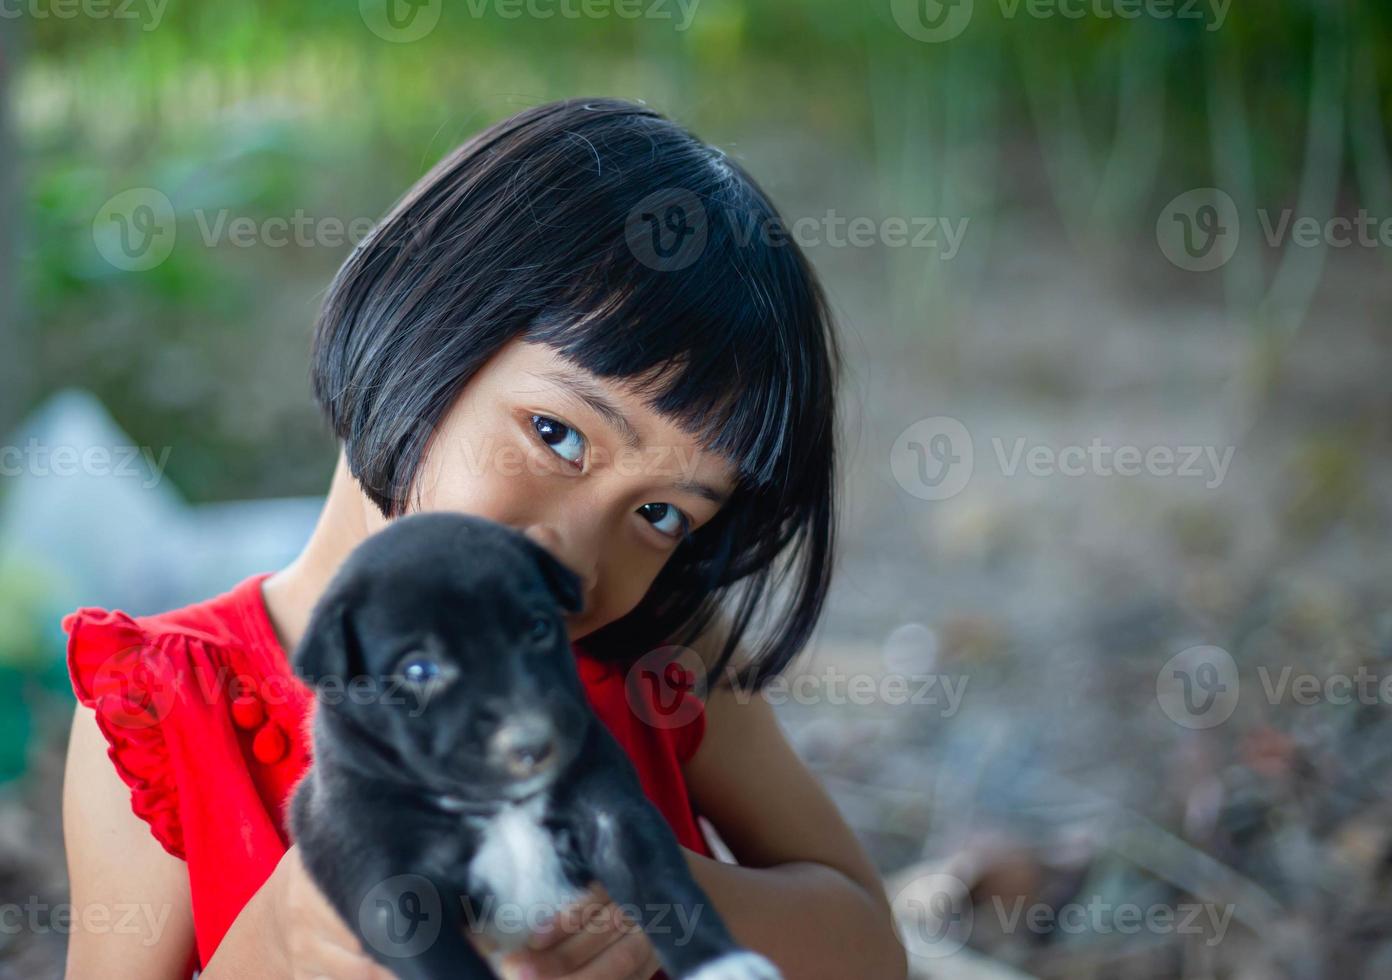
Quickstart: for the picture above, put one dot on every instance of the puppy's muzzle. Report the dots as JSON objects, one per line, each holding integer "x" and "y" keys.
{"x": 524, "y": 746}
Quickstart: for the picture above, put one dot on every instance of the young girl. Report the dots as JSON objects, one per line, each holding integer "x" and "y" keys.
{"x": 580, "y": 325}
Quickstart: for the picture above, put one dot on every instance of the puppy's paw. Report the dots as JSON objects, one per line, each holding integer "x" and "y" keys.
{"x": 737, "y": 966}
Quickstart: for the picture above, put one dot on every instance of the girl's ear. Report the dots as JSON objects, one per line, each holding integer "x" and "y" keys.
{"x": 564, "y": 584}
{"x": 329, "y": 647}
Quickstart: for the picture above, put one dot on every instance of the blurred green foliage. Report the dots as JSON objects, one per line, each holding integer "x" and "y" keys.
{"x": 259, "y": 109}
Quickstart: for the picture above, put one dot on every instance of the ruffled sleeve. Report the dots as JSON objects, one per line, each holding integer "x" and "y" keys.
{"x": 123, "y": 675}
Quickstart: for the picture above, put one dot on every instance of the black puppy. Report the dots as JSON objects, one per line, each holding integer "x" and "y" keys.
{"x": 460, "y": 780}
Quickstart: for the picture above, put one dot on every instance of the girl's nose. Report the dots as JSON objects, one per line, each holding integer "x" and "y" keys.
{"x": 578, "y": 559}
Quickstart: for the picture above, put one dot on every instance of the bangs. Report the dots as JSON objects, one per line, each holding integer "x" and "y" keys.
{"x": 712, "y": 347}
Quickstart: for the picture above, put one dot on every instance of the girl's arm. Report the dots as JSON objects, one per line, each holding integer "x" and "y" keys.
{"x": 805, "y": 894}
{"x": 116, "y": 868}
{"x": 132, "y": 918}
{"x": 287, "y": 931}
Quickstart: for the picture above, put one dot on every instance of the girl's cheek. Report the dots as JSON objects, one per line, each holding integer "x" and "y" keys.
{"x": 503, "y": 485}
{"x": 623, "y": 583}
{"x": 497, "y": 496}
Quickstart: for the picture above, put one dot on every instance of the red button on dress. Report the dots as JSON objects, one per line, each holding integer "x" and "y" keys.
{"x": 248, "y": 712}
{"x": 270, "y": 744}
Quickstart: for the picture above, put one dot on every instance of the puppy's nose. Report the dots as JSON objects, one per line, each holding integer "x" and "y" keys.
{"x": 525, "y": 745}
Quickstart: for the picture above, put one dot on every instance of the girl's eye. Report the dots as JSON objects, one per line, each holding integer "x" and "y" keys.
{"x": 564, "y": 441}
{"x": 666, "y": 518}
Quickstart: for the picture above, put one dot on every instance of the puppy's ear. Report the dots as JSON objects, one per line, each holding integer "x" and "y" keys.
{"x": 329, "y": 647}
{"x": 565, "y": 585}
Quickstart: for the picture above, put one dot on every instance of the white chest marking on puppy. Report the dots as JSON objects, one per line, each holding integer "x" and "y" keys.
{"x": 738, "y": 966}
{"x": 517, "y": 863}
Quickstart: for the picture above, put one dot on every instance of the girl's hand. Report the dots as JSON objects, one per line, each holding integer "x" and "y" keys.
{"x": 592, "y": 940}
{"x": 314, "y": 941}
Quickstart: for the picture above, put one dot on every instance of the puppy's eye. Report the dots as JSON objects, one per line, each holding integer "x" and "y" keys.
{"x": 419, "y": 670}
{"x": 541, "y": 628}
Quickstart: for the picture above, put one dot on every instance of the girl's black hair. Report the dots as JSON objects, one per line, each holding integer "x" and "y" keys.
{"x": 609, "y": 233}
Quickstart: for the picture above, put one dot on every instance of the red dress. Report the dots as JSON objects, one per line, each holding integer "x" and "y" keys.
{"x": 209, "y": 728}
